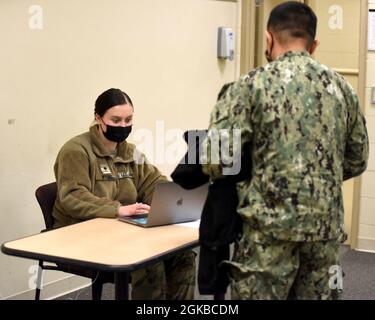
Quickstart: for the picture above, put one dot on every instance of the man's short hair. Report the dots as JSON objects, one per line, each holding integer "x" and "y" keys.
{"x": 295, "y": 20}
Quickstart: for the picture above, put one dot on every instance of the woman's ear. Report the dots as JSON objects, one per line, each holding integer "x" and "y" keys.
{"x": 97, "y": 118}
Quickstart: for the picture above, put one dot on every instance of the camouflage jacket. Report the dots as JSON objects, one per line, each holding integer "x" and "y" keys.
{"x": 94, "y": 183}
{"x": 307, "y": 135}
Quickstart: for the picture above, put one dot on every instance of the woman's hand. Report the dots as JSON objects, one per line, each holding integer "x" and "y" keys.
{"x": 133, "y": 209}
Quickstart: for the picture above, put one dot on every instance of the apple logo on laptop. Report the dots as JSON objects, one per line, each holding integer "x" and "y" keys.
{"x": 179, "y": 202}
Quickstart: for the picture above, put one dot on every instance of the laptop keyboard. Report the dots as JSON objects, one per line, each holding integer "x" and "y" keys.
{"x": 139, "y": 218}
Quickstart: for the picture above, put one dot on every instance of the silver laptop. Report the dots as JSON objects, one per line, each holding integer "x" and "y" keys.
{"x": 171, "y": 204}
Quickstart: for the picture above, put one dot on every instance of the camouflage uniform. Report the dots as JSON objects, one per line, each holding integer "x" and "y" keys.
{"x": 172, "y": 279}
{"x": 308, "y": 135}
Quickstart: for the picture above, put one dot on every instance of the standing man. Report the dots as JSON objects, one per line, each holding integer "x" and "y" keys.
{"x": 307, "y": 135}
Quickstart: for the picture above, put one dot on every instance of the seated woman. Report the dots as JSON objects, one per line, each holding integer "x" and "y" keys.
{"x": 97, "y": 176}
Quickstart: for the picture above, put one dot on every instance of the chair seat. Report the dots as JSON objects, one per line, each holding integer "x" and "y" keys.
{"x": 46, "y": 196}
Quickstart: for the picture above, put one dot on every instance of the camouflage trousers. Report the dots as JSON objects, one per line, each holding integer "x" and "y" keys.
{"x": 267, "y": 268}
{"x": 171, "y": 279}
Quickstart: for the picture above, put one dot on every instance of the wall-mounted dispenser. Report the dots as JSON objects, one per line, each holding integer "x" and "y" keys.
{"x": 225, "y": 43}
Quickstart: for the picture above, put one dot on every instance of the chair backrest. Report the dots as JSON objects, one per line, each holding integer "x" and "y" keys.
{"x": 46, "y": 196}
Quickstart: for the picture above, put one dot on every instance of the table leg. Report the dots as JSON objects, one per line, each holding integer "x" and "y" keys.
{"x": 122, "y": 285}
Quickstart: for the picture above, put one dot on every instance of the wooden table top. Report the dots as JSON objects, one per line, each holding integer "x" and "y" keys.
{"x": 104, "y": 243}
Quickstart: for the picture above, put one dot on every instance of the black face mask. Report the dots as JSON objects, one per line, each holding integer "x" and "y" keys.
{"x": 117, "y": 134}
{"x": 268, "y": 56}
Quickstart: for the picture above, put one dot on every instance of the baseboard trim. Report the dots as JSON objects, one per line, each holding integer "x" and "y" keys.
{"x": 366, "y": 245}
{"x": 54, "y": 289}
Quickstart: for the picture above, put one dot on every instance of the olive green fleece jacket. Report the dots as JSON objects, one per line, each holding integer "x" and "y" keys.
{"x": 94, "y": 183}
